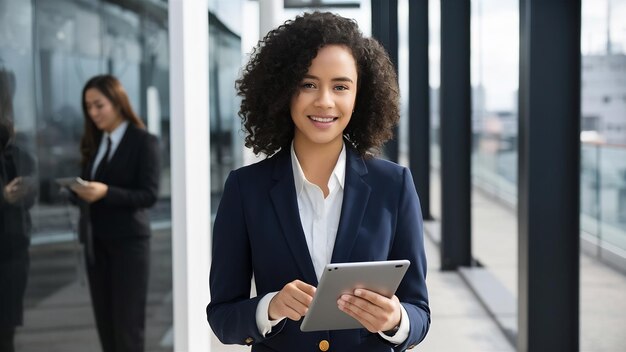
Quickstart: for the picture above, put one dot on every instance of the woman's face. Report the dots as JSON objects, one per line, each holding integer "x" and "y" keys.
{"x": 101, "y": 111}
{"x": 323, "y": 103}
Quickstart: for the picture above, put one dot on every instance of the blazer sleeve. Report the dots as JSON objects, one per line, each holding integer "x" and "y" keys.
{"x": 25, "y": 167}
{"x": 147, "y": 190}
{"x": 231, "y": 312}
{"x": 409, "y": 244}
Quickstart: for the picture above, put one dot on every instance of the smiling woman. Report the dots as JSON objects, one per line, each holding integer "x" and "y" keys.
{"x": 319, "y": 100}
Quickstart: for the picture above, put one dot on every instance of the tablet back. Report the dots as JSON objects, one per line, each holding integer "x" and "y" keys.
{"x": 339, "y": 278}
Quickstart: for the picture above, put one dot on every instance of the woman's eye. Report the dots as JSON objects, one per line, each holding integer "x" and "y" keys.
{"x": 341, "y": 88}
{"x": 308, "y": 85}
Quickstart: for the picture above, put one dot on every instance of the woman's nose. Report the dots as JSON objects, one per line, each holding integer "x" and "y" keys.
{"x": 324, "y": 99}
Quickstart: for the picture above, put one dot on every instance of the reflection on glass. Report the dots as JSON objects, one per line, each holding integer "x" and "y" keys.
{"x": 18, "y": 179}
{"x": 18, "y": 189}
{"x": 51, "y": 47}
{"x": 226, "y": 142}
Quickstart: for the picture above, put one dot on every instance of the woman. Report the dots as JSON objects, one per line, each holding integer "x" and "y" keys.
{"x": 121, "y": 161}
{"x": 18, "y": 192}
{"x": 318, "y": 100}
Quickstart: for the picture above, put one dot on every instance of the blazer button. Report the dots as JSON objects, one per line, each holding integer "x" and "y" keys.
{"x": 249, "y": 341}
{"x": 324, "y": 345}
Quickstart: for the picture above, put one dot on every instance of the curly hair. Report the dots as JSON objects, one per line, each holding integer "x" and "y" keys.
{"x": 278, "y": 64}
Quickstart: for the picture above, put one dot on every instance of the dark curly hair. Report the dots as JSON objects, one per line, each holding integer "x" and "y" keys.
{"x": 278, "y": 64}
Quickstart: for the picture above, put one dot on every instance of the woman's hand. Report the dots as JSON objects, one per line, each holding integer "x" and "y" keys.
{"x": 376, "y": 312}
{"x": 91, "y": 192}
{"x": 292, "y": 301}
{"x": 14, "y": 190}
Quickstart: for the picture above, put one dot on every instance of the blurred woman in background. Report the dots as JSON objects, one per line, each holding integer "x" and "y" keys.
{"x": 120, "y": 161}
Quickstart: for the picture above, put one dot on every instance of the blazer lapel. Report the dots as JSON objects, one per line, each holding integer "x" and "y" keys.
{"x": 355, "y": 197}
{"x": 285, "y": 203}
{"x": 86, "y": 174}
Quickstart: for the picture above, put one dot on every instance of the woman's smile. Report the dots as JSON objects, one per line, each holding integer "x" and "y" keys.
{"x": 322, "y": 122}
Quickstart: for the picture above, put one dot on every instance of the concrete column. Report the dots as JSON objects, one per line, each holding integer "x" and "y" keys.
{"x": 270, "y": 15}
{"x": 456, "y": 132}
{"x": 549, "y": 176}
{"x": 190, "y": 160}
{"x": 419, "y": 103}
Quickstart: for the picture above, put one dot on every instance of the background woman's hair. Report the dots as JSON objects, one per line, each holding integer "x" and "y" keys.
{"x": 111, "y": 88}
{"x": 7, "y": 88}
{"x": 281, "y": 59}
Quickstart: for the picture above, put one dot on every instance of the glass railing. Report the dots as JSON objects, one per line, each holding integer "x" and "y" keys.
{"x": 603, "y": 193}
{"x": 494, "y": 166}
{"x": 602, "y": 185}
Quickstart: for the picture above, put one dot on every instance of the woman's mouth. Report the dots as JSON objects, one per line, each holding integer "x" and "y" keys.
{"x": 322, "y": 119}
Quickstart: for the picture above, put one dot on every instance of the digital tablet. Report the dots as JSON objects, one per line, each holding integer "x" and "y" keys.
{"x": 71, "y": 181}
{"x": 382, "y": 277}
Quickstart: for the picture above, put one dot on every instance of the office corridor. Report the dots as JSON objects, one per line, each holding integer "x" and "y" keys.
{"x": 59, "y": 318}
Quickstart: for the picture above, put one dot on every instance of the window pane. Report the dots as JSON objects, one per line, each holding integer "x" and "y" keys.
{"x": 48, "y": 50}
{"x": 603, "y": 175}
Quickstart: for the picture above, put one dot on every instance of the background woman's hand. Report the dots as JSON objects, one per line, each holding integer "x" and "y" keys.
{"x": 376, "y": 312}
{"x": 292, "y": 301}
{"x": 14, "y": 190}
{"x": 91, "y": 192}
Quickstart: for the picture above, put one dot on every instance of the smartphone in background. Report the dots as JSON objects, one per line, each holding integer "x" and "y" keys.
{"x": 71, "y": 181}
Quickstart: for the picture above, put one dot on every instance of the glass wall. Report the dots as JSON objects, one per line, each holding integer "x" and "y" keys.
{"x": 494, "y": 62}
{"x": 603, "y": 175}
{"x": 48, "y": 50}
{"x": 494, "y": 78}
{"x": 603, "y": 124}
{"x": 224, "y": 66}
{"x": 77, "y": 40}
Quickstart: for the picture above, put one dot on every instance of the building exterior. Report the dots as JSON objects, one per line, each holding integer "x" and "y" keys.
{"x": 604, "y": 97}
{"x": 178, "y": 61}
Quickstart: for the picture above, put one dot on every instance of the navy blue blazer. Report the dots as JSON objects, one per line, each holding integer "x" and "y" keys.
{"x": 258, "y": 232}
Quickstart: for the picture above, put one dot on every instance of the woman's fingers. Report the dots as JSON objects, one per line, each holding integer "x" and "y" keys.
{"x": 91, "y": 192}
{"x": 374, "y": 311}
{"x": 292, "y": 301}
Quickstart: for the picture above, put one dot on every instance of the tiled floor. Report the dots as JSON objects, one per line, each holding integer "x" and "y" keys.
{"x": 459, "y": 322}
{"x": 602, "y": 289}
{"x": 58, "y": 315}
